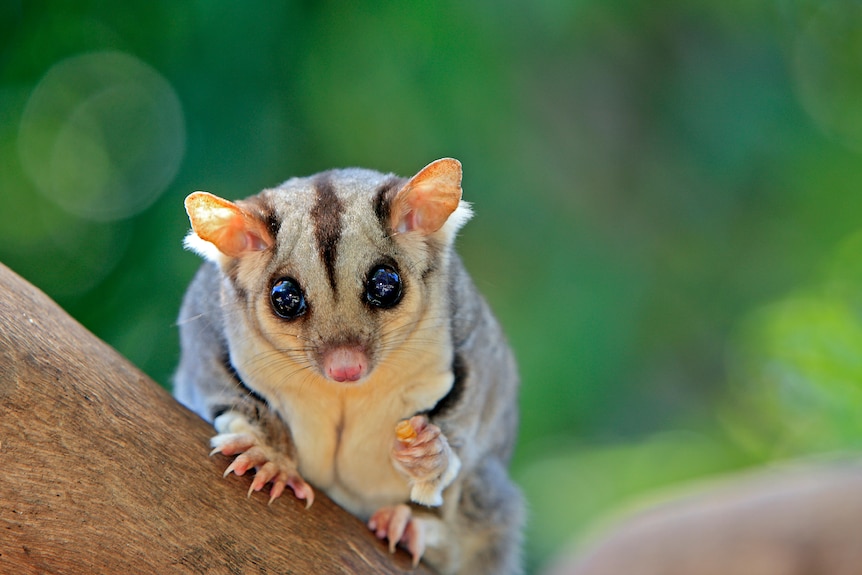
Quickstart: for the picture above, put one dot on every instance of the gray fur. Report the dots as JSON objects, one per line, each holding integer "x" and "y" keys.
{"x": 482, "y": 513}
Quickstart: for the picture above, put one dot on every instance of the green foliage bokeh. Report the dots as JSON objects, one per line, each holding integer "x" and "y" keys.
{"x": 667, "y": 194}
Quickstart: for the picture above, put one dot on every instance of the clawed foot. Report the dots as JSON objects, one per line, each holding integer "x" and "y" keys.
{"x": 427, "y": 459}
{"x": 397, "y": 524}
{"x": 270, "y": 466}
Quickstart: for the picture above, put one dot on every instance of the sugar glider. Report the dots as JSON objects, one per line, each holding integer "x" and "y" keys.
{"x": 336, "y": 342}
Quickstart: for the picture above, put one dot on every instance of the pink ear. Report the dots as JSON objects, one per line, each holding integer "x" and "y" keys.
{"x": 233, "y": 230}
{"x": 429, "y": 198}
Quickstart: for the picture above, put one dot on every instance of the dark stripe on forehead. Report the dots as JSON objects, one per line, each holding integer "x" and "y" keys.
{"x": 273, "y": 224}
{"x": 383, "y": 200}
{"x": 326, "y": 216}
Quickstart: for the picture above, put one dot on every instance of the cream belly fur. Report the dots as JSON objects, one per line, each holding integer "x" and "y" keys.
{"x": 349, "y": 458}
{"x": 343, "y": 432}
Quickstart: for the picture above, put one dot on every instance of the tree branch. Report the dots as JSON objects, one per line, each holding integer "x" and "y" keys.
{"x": 103, "y": 472}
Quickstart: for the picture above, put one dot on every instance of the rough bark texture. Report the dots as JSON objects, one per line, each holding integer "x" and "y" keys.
{"x": 801, "y": 520}
{"x": 101, "y": 471}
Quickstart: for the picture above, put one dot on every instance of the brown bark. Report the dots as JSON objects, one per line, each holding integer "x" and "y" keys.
{"x": 793, "y": 520}
{"x": 101, "y": 471}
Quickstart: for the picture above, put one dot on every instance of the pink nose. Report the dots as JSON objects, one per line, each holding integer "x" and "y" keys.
{"x": 345, "y": 364}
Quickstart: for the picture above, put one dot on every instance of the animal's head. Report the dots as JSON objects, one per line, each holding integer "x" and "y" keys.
{"x": 328, "y": 275}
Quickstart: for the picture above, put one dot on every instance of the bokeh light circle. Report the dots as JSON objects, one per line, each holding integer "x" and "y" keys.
{"x": 102, "y": 135}
{"x": 827, "y": 68}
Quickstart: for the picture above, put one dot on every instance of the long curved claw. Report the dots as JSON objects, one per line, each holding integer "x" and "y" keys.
{"x": 301, "y": 489}
{"x": 232, "y": 443}
{"x": 397, "y": 525}
{"x": 414, "y": 540}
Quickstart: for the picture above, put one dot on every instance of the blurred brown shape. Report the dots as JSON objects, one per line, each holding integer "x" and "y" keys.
{"x": 805, "y": 519}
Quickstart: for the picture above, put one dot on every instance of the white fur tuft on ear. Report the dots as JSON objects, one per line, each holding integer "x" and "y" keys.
{"x": 456, "y": 220}
{"x": 206, "y": 250}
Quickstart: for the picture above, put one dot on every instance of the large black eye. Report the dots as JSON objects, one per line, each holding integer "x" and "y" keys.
{"x": 383, "y": 288}
{"x": 287, "y": 298}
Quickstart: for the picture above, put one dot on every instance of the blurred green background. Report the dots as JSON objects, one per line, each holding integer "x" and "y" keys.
{"x": 669, "y": 213}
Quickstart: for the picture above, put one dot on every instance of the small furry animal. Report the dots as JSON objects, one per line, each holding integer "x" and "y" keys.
{"x": 335, "y": 340}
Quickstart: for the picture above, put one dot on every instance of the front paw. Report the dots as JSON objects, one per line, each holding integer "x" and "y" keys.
{"x": 423, "y": 454}
{"x": 269, "y": 465}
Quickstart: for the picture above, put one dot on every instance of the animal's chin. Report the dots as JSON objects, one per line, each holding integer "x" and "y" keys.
{"x": 345, "y": 364}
